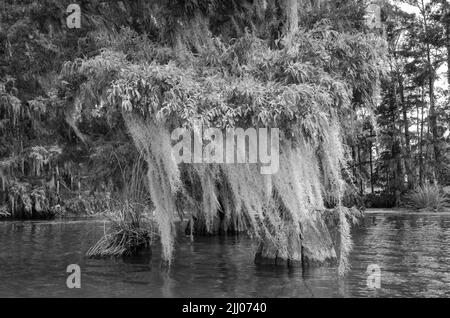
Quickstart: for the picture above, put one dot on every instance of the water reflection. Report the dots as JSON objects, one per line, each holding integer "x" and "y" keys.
{"x": 412, "y": 251}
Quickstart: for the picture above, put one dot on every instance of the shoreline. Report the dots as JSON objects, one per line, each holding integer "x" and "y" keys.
{"x": 102, "y": 219}
{"x": 404, "y": 211}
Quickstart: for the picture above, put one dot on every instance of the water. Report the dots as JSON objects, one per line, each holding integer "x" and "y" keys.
{"x": 412, "y": 250}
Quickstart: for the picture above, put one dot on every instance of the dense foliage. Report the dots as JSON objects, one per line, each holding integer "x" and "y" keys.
{"x": 408, "y": 145}
{"x": 79, "y": 108}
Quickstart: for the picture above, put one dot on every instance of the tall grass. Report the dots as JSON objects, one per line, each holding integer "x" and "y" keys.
{"x": 131, "y": 223}
{"x": 129, "y": 231}
{"x": 427, "y": 197}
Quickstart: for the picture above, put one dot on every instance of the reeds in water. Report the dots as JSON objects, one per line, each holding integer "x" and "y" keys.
{"x": 130, "y": 231}
{"x": 131, "y": 220}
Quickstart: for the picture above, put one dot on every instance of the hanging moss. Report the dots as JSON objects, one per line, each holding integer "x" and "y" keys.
{"x": 188, "y": 72}
{"x": 153, "y": 141}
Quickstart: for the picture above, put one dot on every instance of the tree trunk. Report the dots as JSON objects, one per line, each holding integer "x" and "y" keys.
{"x": 446, "y": 18}
{"x": 291, "y": 12}
{"x": 396, "y": 146}
{"x": 371, "y": 163}
{"x": 432, "y": 112}
{"x": 407, "y": 152}
{"x": 448, "y": 48}
{"x": 361, "y": 189}
{"x": 315, "y": 247}
{"x": 421, "y": 140}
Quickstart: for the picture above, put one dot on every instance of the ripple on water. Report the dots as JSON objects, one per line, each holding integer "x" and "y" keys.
{"x": 412, "y": 250}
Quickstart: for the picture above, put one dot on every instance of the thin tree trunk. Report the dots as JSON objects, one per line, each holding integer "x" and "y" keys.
{"x": 396, "y": 145}
{"x": 427, "y": 144}
{"x": 446, "y": 21}
{"x": 371, "y": 163}
{"x": 421, "y": 140}
{"x": 431, "y": 77}
{"x": 354, "y": 159}
{"x": 407, "y": 152}
{"x": 361, "y": 189}
{"x": 448, "y": 47}
{"x": 417, "y": 155}
{"x": 388, "y": 186}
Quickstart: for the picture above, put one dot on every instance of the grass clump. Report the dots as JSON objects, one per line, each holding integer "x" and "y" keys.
{"x": 427, "y": 197}
{"x": 131, "y": 220}
{"x": 130, "y": 231}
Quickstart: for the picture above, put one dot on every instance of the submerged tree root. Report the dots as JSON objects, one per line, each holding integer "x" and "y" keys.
{"x": 324, "y": 241}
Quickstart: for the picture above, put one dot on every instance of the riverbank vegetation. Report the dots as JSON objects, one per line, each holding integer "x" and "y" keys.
{"x": 428, "y": 198}
{"x": 408, "y": 144}
{"x": 83, "y": 112}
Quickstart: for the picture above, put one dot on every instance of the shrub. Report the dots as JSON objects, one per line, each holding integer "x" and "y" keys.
{"x": 427, "y": 197}
{"x": 379, "y": 201}
{"x": 4, "y": 211}
{"x": 26, "y": 201}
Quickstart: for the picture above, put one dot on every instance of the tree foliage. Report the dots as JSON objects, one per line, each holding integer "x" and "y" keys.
{"x": 138, "y": 69}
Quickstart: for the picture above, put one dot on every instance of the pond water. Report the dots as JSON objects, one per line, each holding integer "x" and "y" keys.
{"x": 412, "y": 251}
